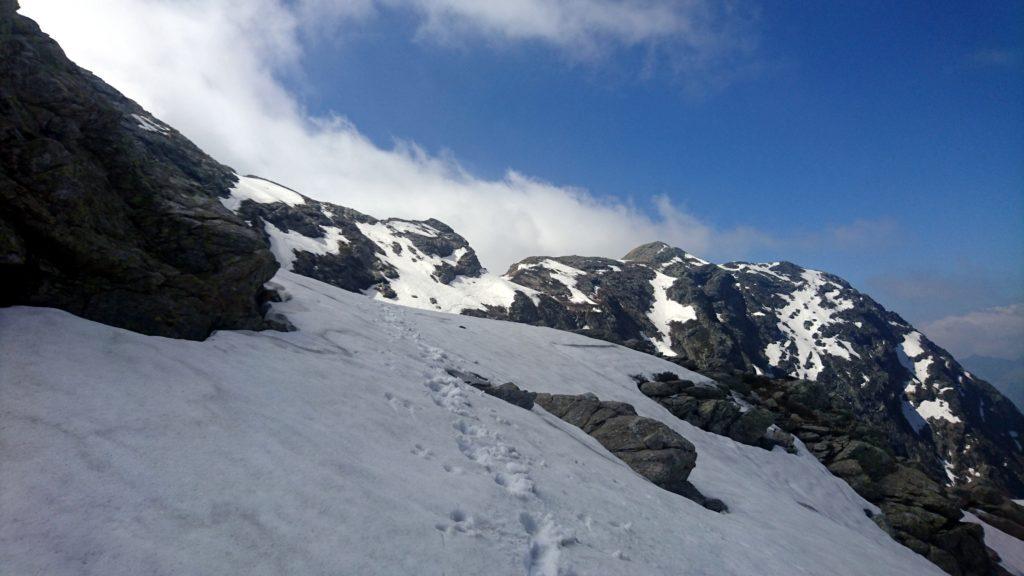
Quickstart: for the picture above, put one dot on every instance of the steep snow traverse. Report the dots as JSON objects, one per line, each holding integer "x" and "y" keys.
{"x": 346, "y": 447}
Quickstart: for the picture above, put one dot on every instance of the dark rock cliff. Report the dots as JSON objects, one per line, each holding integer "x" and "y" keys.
{"x": 108, "y": 213}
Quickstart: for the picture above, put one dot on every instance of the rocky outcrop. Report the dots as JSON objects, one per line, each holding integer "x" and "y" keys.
{"x": 917, "y": 511}
{"x": 994, "y": 508}
{"x": 108, "y": 213}
{"x": 508, "y": 391}
{"x": 649, "y": 447}
{"x": 712, "y": 407}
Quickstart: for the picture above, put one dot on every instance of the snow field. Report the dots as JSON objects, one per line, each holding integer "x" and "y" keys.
{"x": 345, "y": 448}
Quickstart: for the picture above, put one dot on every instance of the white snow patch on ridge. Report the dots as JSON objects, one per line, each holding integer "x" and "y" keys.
{"x": 809, "y": 309}
{"x": 260, "y": 191}
{"x": 416, "y": 284}
{"x": 327, "y": 449}
{"x": 763, "y": 269}
{"x": 284, "y": 244}
{"x": 911, "y": 349}
{"x": 412, "y": 228}
{"x": 565, "y": 275}
{"x": 151, "y": 124}
{"x": 913, "y": 417}
{"x": 699, "y": 261}
{"x": 912, "y": 345}
{"x": 664, "y": 311}
{"x": 937, "y": 409}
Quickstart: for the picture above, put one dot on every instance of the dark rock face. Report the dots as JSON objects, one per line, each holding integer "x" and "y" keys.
{"x": 108, "y": 213}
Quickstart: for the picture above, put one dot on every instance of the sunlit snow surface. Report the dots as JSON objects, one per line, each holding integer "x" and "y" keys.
{"x": 344, "y": 448}
{"x": 938, "y": 409}
{"x": 913, "y": 356}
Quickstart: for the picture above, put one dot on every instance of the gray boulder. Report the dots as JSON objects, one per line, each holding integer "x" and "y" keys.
{"x": 649, "y": 447}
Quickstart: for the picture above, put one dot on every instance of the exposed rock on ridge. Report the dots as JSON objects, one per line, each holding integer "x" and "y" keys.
{"x": 424, "y": 264}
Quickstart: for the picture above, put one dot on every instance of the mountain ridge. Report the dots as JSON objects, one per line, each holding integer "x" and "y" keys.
{"x": 178, "y": 245}
{"x": 775, "y": 319}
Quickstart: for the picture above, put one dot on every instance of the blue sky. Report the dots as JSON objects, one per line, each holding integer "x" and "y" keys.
{"x": 880, "y": 141}
{"x": 909, "y": 117}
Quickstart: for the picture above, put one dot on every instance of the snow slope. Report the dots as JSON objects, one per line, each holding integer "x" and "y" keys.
{"x": 344, "y": 448}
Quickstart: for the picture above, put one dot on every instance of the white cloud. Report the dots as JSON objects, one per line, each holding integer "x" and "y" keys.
{"x": 702, "y": 29}
{"x": 995, "y": 332}
{"x": 208, "y": 68}
{"x": 704, "y": 45}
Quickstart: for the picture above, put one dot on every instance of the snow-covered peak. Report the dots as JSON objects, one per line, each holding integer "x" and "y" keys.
{"x": 774, "y": 318}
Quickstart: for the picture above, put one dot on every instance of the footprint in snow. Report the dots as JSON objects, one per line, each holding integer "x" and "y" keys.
{"x": 422, "y": 452}
{"x": 457, "y": 470}
{"x": 459, "y": 523}
{"x": 544, "y": 551}
{"x": 399, "y": 404}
